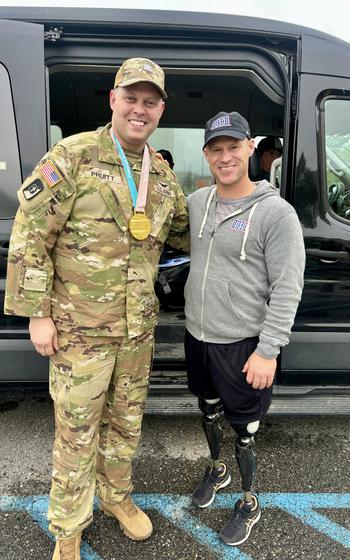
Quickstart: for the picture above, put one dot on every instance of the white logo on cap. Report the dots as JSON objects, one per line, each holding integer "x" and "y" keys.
{"x": 221, "y": 121}
{"x": 147, "y": 67}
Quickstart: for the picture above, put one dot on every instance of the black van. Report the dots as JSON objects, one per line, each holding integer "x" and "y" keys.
{"x": 56, "y": 69}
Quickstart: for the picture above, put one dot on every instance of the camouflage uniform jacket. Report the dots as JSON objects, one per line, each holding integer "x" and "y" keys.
{"x": 71, "y": 254}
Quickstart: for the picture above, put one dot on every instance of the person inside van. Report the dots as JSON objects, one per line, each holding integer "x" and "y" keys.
{"x": 84, "y": 252}
{"x": 242, "y": 293}
{"x": 166, "y": 155}
{"x": 269, "y": 148}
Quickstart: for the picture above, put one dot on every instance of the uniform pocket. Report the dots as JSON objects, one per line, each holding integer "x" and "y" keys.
{"x": 64, "y": 473}
{"x": 59, "y": 383}
{"x": 121, "y": 399}
{"x": 35, "y": 280}
{"x": 19, "y": 238}
{"x": 71, "y": 265}
{"x": 129, "y": 401}
{"x": 64, "y": 461}
{"x": 89, "y": 382}
{"x": 81, "y": 385}
{"x": 38, "y": 205}
{"x": 142, "y": 303}
{"x": 161, "y": 220}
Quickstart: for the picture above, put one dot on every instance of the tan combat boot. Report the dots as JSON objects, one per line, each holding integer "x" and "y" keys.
{"x": 67, "y": 548}
{"x": 132, "y": 520}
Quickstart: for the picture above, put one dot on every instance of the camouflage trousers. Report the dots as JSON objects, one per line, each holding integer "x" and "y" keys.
{"x": 99, "y": 387}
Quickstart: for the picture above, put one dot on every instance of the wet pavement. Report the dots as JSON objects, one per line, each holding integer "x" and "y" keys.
{"x": 303, "y": 482}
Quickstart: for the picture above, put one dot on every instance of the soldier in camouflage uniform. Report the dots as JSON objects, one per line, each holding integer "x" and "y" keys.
{"x": 88, "y": 286}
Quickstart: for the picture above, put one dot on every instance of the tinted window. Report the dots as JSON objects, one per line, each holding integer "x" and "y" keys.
{"x": 337, "y": 139}
{"x": 10, "y": 173}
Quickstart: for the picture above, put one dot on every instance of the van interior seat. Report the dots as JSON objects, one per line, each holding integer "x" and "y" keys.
{"x": 254, "y": 167}
{"x": 55, "y": 134}
{"x": 275, "y": 172}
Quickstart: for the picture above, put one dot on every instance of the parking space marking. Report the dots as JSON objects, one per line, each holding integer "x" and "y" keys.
{"x": 177, "y": 509}
{"x": 302, "y": 506}
{"x": 36, "y": 507}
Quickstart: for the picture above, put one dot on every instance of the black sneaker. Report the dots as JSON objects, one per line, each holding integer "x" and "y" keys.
{"x": 212, "y": 481}
{"x": 238, "y": 527}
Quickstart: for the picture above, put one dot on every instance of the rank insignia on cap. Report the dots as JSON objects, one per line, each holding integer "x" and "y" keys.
{"x": 30, "y": 191}
{"x": 50, "y": 173}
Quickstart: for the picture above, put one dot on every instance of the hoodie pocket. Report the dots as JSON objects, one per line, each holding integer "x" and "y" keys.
{"x": 221, "y": 317}
{"x": 193, "y": 298}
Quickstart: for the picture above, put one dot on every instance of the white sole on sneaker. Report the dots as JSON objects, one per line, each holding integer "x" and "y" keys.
{"x": 219, "y": 486}
{"x": 251, "y": 525}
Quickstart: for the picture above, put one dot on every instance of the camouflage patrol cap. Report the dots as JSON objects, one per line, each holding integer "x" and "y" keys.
{"x": 134, "y": 70}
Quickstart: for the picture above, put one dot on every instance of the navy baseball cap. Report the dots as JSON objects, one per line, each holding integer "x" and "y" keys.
{"x": 226, "y": 124}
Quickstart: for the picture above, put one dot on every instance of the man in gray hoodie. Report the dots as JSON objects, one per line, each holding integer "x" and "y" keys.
{"x": 242, "y": 293}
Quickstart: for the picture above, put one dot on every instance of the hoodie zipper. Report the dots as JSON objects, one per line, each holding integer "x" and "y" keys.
{"x": 205, "y": 280}
{"x": 207, "y": 268}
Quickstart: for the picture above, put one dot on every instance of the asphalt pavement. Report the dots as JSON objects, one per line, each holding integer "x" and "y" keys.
{"x": 303, "y": 483}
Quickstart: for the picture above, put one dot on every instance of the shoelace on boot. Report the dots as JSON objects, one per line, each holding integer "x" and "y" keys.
{"x": 129, "y": 507}
{"x": 67, "y": 549}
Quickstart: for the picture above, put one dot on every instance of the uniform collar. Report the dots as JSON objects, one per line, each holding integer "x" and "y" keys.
{"x": 106, "y": 149}
{"x": 107, "y": 153}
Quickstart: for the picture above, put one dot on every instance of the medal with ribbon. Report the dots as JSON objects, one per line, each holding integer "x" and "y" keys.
{"x": 139, "y": 224}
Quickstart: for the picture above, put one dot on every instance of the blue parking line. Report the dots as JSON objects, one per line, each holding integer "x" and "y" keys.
{"x": 177, "y": 509}
{"x": 36, "y": 507}
{"x": 302, "y": 506}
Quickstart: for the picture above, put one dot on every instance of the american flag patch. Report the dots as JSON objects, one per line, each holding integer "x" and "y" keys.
{"x": 239, "y": 225}
{"x": 50, "y": 174}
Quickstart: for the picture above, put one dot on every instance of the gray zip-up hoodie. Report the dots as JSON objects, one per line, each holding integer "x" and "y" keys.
{"x": 246, "y": 275}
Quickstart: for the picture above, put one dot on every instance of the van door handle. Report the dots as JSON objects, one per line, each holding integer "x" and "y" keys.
{"x": 329, "y": 256}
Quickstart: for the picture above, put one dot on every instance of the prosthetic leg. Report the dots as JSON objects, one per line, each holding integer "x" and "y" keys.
{"x": 218, "y": 476}
{"x": 246, "y": 456}
{"x": 212, "y": 411}
{"x": 246, "y": 511}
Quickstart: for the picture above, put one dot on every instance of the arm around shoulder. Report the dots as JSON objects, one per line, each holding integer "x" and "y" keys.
{"x": 179, "y": 234}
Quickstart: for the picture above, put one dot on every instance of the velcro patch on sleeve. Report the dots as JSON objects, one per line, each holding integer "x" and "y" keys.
{"x": 35, "y": 280}
{"x": 50, "y": 173}
{"x": 32, "y": 190}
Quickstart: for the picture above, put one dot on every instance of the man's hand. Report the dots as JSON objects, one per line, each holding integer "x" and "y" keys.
{"x": 43, "y": 335}
{"x": 260, "y": 371}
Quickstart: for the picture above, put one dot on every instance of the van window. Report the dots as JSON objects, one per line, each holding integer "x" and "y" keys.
{"x": 185, "y": 145}
{"x": 337, "y": 144}
{"x": 79, "y": 101}
{"x": 10, "y": 171}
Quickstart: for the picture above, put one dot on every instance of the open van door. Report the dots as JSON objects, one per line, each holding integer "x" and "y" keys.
{"x": 23, "y": 78}
{"x": 23, "y": 142}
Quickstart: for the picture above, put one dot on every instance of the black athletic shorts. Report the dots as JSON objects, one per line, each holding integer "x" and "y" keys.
{"x": 215, "y": 370}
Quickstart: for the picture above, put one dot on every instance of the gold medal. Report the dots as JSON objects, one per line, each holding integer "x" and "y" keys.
{"x": 139, "y": 226}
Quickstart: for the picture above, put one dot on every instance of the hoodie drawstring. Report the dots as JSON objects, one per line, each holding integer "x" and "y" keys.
{"x": 200, "y": 235}
{"x": 246, "y": 232}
